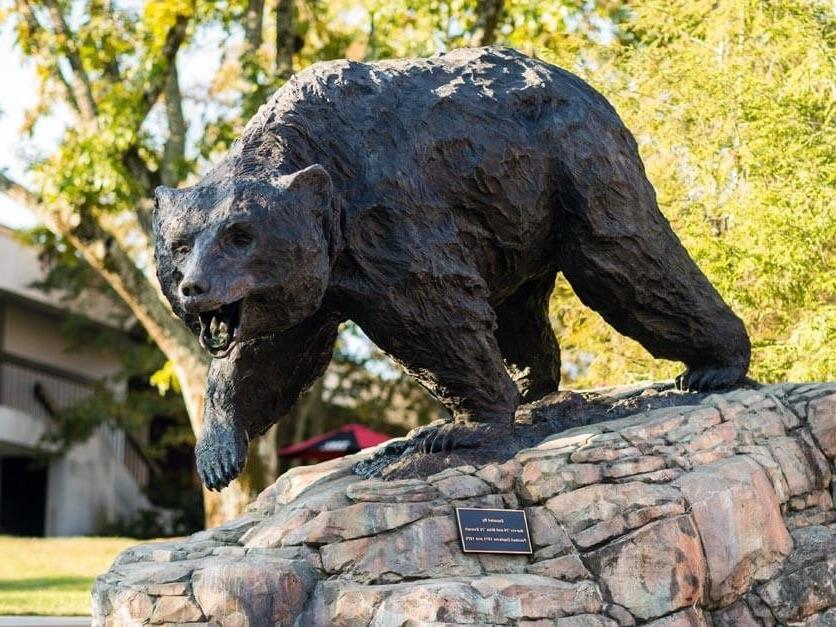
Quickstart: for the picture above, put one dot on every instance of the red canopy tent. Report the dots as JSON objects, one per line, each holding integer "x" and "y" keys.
{"x": 343, "y": 441}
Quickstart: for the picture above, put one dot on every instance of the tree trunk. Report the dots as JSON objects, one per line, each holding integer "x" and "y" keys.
{"x": 285, "y": 39}
{"x": 253, "y": 21}
{"x": 488, "y": 13}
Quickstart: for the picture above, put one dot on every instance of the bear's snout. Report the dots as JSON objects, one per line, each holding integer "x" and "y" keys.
{"x": 197, "y": 295}
{"x": 193, "y": 287}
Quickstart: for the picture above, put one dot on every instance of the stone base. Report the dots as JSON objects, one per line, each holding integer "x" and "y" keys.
{"x": 715, "y": 513}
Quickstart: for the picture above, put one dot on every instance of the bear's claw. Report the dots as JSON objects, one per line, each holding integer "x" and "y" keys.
{"x": 708, "y": 379}
{"x": 221, "y": 454}
{"x": 453, "y": 436}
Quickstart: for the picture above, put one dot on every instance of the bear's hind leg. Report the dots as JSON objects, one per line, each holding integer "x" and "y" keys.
{"x": 527, "y": 340}
{"x": 624, "y": 261}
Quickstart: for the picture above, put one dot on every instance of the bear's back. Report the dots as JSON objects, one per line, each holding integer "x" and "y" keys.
{"x": 466, "y": 141}
{"x": 467, "y": 107}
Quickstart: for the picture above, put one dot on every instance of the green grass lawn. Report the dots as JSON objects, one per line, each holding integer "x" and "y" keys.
{"x": 52, "y": 575}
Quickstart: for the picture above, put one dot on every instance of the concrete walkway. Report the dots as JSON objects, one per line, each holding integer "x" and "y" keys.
{"x": 45, "y": 621}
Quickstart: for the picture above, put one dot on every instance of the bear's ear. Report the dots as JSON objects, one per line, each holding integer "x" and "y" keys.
{"x": 311, "y": 185}
{"x": 163, "y": 201}
{"x": 163, "y": 197}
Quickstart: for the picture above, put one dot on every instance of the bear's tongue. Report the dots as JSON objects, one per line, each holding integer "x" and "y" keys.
{"x": 219, "y": 327}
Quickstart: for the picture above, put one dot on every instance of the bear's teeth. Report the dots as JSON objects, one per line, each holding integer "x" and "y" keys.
{"x": 219, "y": 329}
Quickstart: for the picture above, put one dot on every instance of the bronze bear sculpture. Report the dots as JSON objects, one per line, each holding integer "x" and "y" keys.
{"x": 432, "y": 202}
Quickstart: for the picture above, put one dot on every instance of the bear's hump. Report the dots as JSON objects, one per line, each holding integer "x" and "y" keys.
{"x": 339, "y": 79}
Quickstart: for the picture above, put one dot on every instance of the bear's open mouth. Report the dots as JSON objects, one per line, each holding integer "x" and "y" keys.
{"x": 219, "y": 328}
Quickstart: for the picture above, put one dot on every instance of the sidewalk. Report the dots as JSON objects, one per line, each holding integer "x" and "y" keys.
{"x": 45, "y": 621}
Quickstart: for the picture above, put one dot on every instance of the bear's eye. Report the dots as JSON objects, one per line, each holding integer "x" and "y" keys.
{"x": 239, "y": 236}
{"x": 181, "y": 248}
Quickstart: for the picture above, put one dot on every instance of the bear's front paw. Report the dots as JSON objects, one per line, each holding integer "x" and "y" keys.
{"x": 454, "y": 436}
{"x": 711, "y": 378}
{"x": 221, "y": 453}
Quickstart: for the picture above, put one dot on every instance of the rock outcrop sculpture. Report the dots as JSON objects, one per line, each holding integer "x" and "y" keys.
{"x": 715, "y": 511}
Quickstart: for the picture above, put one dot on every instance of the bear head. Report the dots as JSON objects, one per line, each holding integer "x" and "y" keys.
{"x": 242, "y": 258}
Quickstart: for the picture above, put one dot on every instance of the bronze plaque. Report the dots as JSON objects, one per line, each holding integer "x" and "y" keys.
{"x": 493, "y": 530}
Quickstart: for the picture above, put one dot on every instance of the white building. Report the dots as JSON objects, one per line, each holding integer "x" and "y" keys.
{"x": 97, "y": 481}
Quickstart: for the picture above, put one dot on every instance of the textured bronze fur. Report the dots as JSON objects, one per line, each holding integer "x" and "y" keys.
{"x": 432, "y": 202}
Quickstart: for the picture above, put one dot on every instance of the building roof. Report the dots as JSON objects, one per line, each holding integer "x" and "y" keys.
{"x": 347, "y": 439}
{"x": 20, "y": 268}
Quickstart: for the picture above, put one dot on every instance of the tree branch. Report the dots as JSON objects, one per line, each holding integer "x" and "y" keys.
{"x": 164, "y": 81}
{"x": 159, "y": 73}
{"x": 174, "y": 151}
{"x": 82, "y": 87}
{"x": 175, "y": 146}
{"x": 50, "y": 56}
{"x": 147, "y": 179}
{"x": 68, "y": 90}
{"x": 16, "y": 191}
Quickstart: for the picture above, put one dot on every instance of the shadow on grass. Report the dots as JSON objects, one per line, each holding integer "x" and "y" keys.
{"x": 46, "y": 583}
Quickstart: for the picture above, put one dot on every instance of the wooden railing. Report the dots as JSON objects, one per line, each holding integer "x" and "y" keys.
{"x": 40, "y": 390}
{"x": 128, "y": 451}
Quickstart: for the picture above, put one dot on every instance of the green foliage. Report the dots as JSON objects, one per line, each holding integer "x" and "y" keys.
{"x": 165, "y": 379}
{"x": 732, "y": 103}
